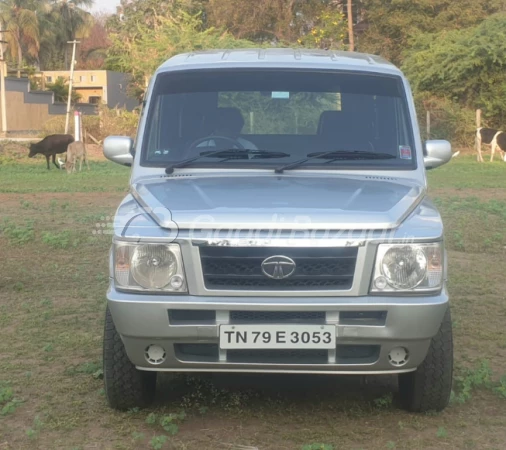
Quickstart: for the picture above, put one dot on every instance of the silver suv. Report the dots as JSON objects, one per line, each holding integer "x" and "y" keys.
{"x": 278, "y": 222}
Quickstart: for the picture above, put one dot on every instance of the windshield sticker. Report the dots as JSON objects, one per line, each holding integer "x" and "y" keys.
{"x": 405, "y": 152}
{"x": 280, "y": 95}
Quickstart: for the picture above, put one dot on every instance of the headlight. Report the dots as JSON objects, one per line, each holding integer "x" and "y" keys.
{"x": 152, "y": 267}
{"x": 408, "y": 267}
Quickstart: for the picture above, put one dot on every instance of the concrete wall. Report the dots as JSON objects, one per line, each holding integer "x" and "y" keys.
{"x": 117, "y": 84}
{"x": 28, "y": 111}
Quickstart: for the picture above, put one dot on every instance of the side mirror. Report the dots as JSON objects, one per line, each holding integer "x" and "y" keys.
{"x": 438, "y": 153}
{"x": 118, "y": 149}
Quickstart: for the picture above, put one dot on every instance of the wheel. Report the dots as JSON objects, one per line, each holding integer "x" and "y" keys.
{"x": 428, "y": 388}
{"x": 125, "y": 386}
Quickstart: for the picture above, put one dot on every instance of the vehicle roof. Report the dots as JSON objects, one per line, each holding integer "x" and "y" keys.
{"x": 284, "y": 58}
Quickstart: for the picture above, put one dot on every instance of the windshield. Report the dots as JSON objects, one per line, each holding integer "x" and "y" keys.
{"x": 273, "y": 117}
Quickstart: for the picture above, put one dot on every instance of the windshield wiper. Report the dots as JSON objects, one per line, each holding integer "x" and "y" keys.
{"x": 336, "y": 155}
{"x": 231, "y": 153}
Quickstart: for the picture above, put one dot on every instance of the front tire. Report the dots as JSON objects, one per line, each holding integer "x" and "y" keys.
{"x": 428, "y": 388}
{"x": 125, "y": 386}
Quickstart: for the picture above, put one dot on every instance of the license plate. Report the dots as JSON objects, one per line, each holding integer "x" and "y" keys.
{"x": 277, "y": 336}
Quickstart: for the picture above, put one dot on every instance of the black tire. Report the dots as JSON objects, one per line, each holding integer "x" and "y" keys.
{"x": 428, "y": 388}
{"x": 125, "y": 386}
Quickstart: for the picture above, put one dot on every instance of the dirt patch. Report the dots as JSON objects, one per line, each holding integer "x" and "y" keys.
{"x": 39, "y": 204}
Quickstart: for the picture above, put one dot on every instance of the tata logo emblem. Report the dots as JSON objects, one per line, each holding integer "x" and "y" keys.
{"x": 278, "y": 267}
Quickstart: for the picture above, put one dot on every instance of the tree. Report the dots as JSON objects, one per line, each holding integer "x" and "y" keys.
{"x": 20, "y": 20}
{"x": 60, "y": 89}
{"x": 466, "y": 66}
{"x": 273, "y": 21}
{"x": 72, "y": 21}
{"x": 261, "y": 20}
{"x": 391, "y": 25}
{"x": 147, "y": 37}
{"x": 328, "y": 31}
{"x": 93, "y": 49}
{"x": 38, "y": 30}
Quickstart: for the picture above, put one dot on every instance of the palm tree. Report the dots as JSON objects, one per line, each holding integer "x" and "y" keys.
{"x": 73, "y": 21}
{"x": 20, "y": 21}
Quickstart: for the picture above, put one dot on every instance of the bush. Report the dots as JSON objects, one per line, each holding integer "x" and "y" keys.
{"x": 119, "y": 122}
{"x": 466, "y": 65}
{"x": 448, "y": 119}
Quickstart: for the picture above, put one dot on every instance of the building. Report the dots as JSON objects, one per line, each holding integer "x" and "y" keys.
{"x": 96, "y": 86}
{"x": 28, "y": 111}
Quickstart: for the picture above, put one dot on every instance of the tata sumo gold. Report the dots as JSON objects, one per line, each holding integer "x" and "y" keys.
{"x": 278, "y": 222}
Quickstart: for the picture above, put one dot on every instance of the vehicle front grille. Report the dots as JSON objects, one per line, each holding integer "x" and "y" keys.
{"x": 278, "y": 356}
{"x": 257, "y": 317}
{"x": 345, "y": 355}
{"x": 240, "y": 268}
{"x": 208, "y": 317}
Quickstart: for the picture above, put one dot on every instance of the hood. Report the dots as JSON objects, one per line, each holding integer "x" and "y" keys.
{"x": 285, "y": 201}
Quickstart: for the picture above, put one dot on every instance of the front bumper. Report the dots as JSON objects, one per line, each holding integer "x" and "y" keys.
{"x": 368, "y": 328}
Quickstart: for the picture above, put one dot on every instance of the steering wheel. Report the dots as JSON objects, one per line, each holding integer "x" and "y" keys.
{"x": 230, "y": 141}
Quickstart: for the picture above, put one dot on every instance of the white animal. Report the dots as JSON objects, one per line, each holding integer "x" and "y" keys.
{"x": 495, "y": 138}
{"x": 61, "y": 163}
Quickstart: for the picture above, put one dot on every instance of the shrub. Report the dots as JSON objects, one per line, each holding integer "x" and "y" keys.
{"x": 448, "y": 119}
{"x": 119, "y": 122}
{"x": 16, "y": 233}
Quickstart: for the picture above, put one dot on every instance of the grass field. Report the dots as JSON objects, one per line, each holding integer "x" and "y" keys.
{"x": 53, "y": 278}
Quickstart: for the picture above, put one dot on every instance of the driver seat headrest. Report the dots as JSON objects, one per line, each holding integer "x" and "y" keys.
{"x": 228, "y": 118}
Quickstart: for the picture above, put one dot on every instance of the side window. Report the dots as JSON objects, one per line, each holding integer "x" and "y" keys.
{"x": 154, "y": 131}
{"x": 165, "y": 124}
{"x": 402, "y": 125}
{"x": 390, "y": 127}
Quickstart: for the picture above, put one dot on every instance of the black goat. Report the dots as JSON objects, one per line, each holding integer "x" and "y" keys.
{"x": 51, "y": 146}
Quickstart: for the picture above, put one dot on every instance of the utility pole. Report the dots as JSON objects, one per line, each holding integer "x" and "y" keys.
{"x": 72, "y": 63}
{"x": 350, "y": 26}
{"x": 3, "y": 93}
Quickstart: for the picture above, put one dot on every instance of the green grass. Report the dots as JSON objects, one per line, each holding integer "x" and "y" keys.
{"x": 318, "y": 447}
{"x": 18, "y": 234}
{"x": 467, "y": 381}
{"x": 33, "y": 178}
{"x": 464, "y": 172}
{"x": 53, "y": 280}
{"x": 474, "y": 205}
{"x": 60, "y": 240}
{"x": 442, "y": 433}
{"x": 157, "y": 442}
{"x": 8, "y": 403}
{"x": 472, "y": 224}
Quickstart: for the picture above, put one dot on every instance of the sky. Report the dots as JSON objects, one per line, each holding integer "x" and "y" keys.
{"x": 105, "y": 5}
